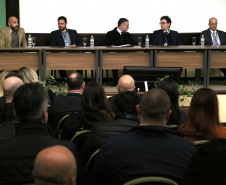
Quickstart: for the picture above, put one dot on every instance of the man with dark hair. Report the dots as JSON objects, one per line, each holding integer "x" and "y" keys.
{"x": 119, "y": 36}
{"x": 151, "y": 149}
{"x": 62, "y": 105}
{"x": 12, "y": 35}
{"x": 64, "y": 37}
{"x": 165, "y": 36}
{"x": 30, "y": 102}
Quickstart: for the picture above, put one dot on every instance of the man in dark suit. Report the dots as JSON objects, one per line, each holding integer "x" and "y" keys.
{"x": 150, "y": 149}
{"x": 213, "y": 36}
{"x": 62, "y": 105}
{"x": 165, "y": 36}
{"x": 17, "y": 155}
{"x": 64, "y": 37}
{"x": 119, "y": 36}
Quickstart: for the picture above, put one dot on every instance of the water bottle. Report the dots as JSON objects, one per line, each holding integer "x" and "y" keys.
{"x": 147, "y": 41}
{"x": 91, "y": 41}
{"x": 202, "y": 40}
{"x": 29, "y": 41}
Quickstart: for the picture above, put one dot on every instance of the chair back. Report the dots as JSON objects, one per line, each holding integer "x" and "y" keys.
{"x": 79, "y": 138}
{"x": 151, "y": 181}
{"x": 199, "y": 144}
{"x": 90, "y": 163}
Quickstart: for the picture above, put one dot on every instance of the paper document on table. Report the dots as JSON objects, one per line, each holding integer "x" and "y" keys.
{"x": 124, "y": 45}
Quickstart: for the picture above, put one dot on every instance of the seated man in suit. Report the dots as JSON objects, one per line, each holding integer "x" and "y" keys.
{"x": 150, "y": 149}
{"x": 64, "y": 37}
{"x": 165, "y": 36}
{"x": 12, "y": 35}
{"x": 213, "y": 36}
{"x": 55, "y": 165}
{"x": 30, "y": 102}
{"x": 119, "y": 36}
{"x": 62, "y": 105}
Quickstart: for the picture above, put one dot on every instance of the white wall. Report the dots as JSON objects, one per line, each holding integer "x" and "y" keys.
{"x": 100, "y": 16}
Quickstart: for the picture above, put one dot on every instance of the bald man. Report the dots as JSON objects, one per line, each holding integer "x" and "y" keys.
{"x": 12, "y": 35}
{"x": 126, "y": 83}
{"x": 212, "y": 35}
{"x": 55, "y": 165}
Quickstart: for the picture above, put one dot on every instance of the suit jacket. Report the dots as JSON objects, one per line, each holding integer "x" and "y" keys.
{"x": 57, "y": 38}
{"x": 17, "y": 155}
{"x": 114, "y": 38}
{"x": 143, "y": 151}
{"x": 6, "y": 38}
{"x": 208, "y": 38}
{"x": 158, "y": 38}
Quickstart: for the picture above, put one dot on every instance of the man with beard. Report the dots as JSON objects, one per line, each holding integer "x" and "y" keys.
{"x": 12, "y": 35}
{"x": 64, "y": 37}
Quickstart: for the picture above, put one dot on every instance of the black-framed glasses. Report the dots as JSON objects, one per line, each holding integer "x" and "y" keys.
{"x": 162, "y": 23}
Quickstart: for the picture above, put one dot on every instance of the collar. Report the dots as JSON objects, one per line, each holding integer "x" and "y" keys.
{"x": 65, "y": 31}
{"x": 167, "y": 32}
{"x": 211, "y": 31}
{"x": 120, "y": 32}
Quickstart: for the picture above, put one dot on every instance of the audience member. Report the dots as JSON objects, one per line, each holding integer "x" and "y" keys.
{"x": 208, "y": 165}
{"x": 30, "y": 103}
{"x": 171, "y": 88}
{"x": 12, "y": 35}
{"x": 95, "y": 108}
{"x": 125, "y": 83}
{"x": 3, "y": 74}
{"x": 203, "y": 117}
{"x": 124, "y": 120}
{"x": 55, "y": 165}
{"x": 165, "y": 36}
{"x": 62, "y": 105}
{"x": 148, "y": 150}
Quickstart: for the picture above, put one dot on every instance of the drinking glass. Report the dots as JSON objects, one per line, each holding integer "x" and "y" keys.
{"x": 84, "y": 41}
{"x": 139, "y": 41}
{"x": 33, "y": 41}
{"x": 193, "y": 40}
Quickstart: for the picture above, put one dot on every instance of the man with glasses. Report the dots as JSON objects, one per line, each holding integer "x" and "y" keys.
{"x": 165, "y": 36}
{"x": 119, "y": 36}
{"x": 212, "y": 35}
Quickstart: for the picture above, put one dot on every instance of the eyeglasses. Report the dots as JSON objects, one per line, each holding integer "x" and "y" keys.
{"x": 162, "y": 23}
{"x": 126, "y": 25}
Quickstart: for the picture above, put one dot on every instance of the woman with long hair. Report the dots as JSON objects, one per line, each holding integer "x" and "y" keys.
{"x": 203, "y": 117}
{"x": 95, "y": 108}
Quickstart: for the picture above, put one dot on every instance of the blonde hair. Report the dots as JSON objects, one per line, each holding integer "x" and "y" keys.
{"x": 3, "y": 74}
{"x": 28, "y": 74}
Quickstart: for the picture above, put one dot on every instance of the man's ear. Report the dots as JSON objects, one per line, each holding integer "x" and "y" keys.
{"x": 138, "y": 110}
{"x": 118, "y": 88}
{"x": 168, "y": 114}
{"x": 45, "y": 116}
{"x": 83, "y": 85}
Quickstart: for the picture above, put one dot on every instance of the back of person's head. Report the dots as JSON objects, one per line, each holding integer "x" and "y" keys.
{"x": 125, "y": 104}
{"x": 3, "y": 74}
{"x": 126, "y": 83}
{"x": 208, "y": 165}
{"x": 55, "y": 166}
{"x": 10, "y": 85}
{"x": 75, "y": 81}
{"x": 154, "y": 107}
{"x": 203, "y": 115}
{"x": 30, "y": 102}
{"x": 28, "y": 74}
{"x": 94, "y": 98}
{"x": 121, "y": 21}
{"x": 171, "y": 88}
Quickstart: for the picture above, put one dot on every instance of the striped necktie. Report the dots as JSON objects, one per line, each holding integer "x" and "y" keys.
{"x": 215, "y": 39}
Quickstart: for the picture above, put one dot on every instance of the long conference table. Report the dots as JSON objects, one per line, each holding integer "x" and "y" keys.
{"x": 101, "y": 58}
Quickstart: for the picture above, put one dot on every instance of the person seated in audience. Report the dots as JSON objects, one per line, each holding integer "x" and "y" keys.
{"x": 63, "y": 105}
{"x": 150, "y": 149}
{"x": 29, "y": 75}
{"x": 2, "y": 78}
{"x": 17, "y": 155}
{"x": 10, "y": 85}
{"x": 95, "y": 108}
{"x": 124, "y": 120}
{"x": 55, "y": 165}
{"x": 203, "y": 117}
{"x": 208, "y": 165}
{"x": 125, "y": 83}
{"x": 171, "y": 88}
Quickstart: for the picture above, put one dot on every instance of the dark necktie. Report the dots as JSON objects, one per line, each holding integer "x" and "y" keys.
{"x": 122, "y": 37}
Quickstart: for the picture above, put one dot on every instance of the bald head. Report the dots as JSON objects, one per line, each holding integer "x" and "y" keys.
{"x": 13, "y": 23}
{"x": 55, "y": 165}
{"x": 10, "y": 85}
{"x": 126, "y": 83}
{"x": 154, "y": 107}
{"x": 213, "y": 23}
